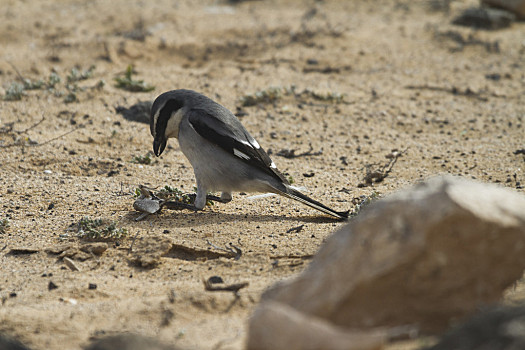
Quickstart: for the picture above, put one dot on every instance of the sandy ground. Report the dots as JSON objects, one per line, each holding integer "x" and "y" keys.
{"x": 450, "y": 97}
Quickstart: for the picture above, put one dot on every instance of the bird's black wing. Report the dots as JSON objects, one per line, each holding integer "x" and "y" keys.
{"x": 235, "y": 140}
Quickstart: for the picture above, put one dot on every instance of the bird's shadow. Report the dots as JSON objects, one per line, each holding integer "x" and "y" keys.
{"x": 201, "y": 218}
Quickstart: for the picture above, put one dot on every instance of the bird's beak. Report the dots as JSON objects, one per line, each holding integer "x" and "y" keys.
{"x": 159, "y": 144}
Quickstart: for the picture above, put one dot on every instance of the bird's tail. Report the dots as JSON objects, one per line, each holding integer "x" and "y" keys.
{"x": 292, "y": 193}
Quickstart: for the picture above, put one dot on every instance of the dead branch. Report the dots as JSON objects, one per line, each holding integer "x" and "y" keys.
{"x": 210, "y": 287}
{"x": 380, "y": 174}
{"x": 290, "y": 153}
{"x": 36, "y": 144}
{"x": 236, "y": 251}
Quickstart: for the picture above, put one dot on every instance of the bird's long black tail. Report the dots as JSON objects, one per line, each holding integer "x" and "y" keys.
{"x": 298, "y": 196}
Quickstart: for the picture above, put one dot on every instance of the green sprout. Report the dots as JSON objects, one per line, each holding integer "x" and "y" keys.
{"x": 75, "y": 74}
{"x": 99, "y": 229}
{"x": 174, "y": 194}
{"x": 145, "y": 159}
{"x": 126, "y": 82}
{"x": 33, "y": 84}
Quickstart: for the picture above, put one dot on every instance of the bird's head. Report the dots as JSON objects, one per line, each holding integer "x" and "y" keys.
{"x": 166, "y": 115}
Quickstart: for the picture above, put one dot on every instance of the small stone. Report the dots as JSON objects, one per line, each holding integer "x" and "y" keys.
{"x": 92, "y": 286}
{"x": 96, "y": 248}
{"x": 58, "y": 249}
{"x": 147, "y": 251}
{"x": 215, "y": 279}
{"x": 127, "y": 342}
{"x": 515, "y": 6}
{"x": 51, "y": 286}
{"x": 22, "y": 251}
{"x": 484, "y": 18}
{"x": 501, "y": 327}
{"x": 71, "y": 264}
{"x": 48, "y": 172}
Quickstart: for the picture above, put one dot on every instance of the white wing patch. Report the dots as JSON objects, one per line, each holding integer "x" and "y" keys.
{"x": 240, "y": 154}
{"x": 254, "y": 144}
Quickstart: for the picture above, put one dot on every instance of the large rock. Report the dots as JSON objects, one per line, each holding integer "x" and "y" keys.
{"x": 424, "y": 256}
{"x": 497, "y": 328}
{"x": 128, "y": 342}
{"x": 279, "y": 326}
{"x": 515, "y": 6}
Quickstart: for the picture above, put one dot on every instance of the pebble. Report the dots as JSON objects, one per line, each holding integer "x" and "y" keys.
{"x": 71, "y": 264}
{"x": 51, "y": 286}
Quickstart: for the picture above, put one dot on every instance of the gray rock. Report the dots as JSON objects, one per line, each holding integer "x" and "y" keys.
{"x": 8, "y": 343}
{"x": 128, "y": 342}
{"x": 425, "y": 256}
{"x": 497, "y": 328}
{"x": 279, "y": 326}
{"x": 485, "y": 18}
{"x": 515, "y": 6}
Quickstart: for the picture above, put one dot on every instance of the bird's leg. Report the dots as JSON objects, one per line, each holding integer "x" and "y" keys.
{"x": 200, "y": 199}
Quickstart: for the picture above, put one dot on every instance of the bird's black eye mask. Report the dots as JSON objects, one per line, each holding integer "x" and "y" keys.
{"x": 170, "y": 107}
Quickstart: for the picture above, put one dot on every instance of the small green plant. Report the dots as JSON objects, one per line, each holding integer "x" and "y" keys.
{"x": 71, "y": 97}
{"x": 126, "y": 82}
{"x": 145, "y": 159}
{"x": 75, "y": 74}
{"x": 269, "y": 95}
{"x": 17, "y": 90}
{"x": 100, "y": 85}
{"x": 33, "y": 84}
{"x": 53, "y": 80}
{"x": 274, "y": 94}
{"x": 4, "y": 225}
{"x": 14, "y": 92}
{"x": 333, "y": 97}
{"x": 174, "y": 194}
{"x": 99, "y": 229}
{"x": 363, "y": 201}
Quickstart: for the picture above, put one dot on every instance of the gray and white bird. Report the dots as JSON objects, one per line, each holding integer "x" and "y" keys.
{"x": 224, "y": 156}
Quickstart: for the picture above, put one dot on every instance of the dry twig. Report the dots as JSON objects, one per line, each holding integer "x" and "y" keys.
{"x": 290, "y": 153}
{"x": 210, "y": 286}
{"x": 380, "y": 174}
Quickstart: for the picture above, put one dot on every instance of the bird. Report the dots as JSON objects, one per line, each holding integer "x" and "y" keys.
{"x": 224, "y": 156}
